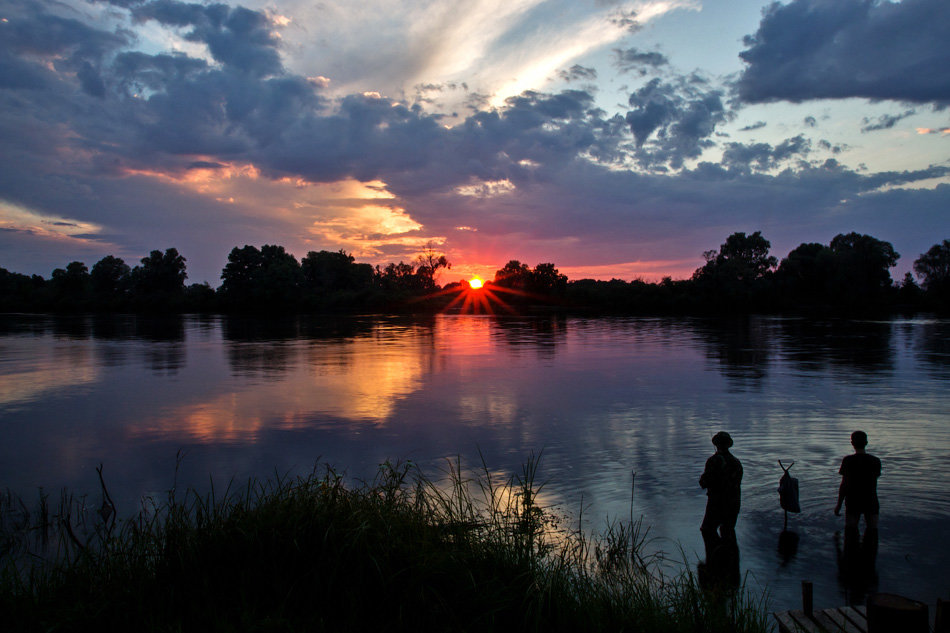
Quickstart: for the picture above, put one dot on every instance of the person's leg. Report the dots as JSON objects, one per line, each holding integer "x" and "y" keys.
{"x": 851, "y": 519}
{"x": 730, "y": 516}
{"x": 871, "y": 520}
{"x": 711, "y": 522}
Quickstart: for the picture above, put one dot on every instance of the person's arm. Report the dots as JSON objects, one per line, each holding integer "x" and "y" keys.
{"x": 842, "y": 489}
{"x": 710, "y": 474}
{"x": 841, "y": 493}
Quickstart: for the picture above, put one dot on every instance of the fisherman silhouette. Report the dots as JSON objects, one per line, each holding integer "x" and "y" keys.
{"x": 858, "y": 493}
{"x": 858, "y": 490}
{"x": 721, "y": 480}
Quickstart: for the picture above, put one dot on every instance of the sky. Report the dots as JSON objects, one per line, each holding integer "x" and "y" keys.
{"x": 614, "y": 139}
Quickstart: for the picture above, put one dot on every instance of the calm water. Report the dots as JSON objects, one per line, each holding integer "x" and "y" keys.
{"x": 601, "y": 398}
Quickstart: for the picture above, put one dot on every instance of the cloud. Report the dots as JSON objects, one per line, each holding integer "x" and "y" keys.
{"x": 578, "y": 72}
{"x": 641, "y": 62}
{"x": 758, "y": 125}
{"x": 236, "y": 37}
{"x": 763, "y": 156}
{"x": 677, "y": 118}
{"x": 885, "y": 121}
{"x": 36, "y": 45}
{"x": 821, "y": 49}
{"x": 207, "y": 149}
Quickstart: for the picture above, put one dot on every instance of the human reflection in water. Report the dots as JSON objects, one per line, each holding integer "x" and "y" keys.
{"x": 787, "y": 546}
{"x": 857, "y": 573}
{"x": 720, "y": 570}
{"x": 721, "y": 479}
{"x": 858, "y": 492}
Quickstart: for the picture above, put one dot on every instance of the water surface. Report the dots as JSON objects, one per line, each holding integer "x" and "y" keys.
{"x": 599, "y": 399}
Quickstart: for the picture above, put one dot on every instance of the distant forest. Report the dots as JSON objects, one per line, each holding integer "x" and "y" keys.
{"x": 851, "y": 274}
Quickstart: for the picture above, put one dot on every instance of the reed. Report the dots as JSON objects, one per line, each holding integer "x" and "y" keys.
{"x": 401, "y": 552}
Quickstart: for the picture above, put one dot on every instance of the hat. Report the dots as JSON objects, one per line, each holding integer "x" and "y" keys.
{"x": 722, "y": 440}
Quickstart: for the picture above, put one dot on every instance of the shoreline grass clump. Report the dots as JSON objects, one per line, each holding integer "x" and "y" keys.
{"x": 399, "y": 553}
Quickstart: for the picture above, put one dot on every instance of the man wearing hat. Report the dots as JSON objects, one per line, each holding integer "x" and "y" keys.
{"x": 721, "y": 479}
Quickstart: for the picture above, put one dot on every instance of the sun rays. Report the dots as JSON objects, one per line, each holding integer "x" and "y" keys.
{"x": 477, "y": 296}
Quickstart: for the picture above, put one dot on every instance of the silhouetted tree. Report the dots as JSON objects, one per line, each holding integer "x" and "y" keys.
{"x": 159, "y": 282}
{"x": 909, "y": 293}
{"x": 200, "y": 297}
{"x": 743, "y": 258}
{"x": 161, "y": 272}
{"x": 71, "y": 285}
{"x": 735, "y": 277}
{"x": 802, "y": 276}
{"x": 239, "y": 274}
{"x": 18, "y": 291}
{"x": 400, "y": 279}
{"x": 280, "y": 276}
{"x": 428, "y": 264}
{"x": 110, "y": 278}
{"x": 546, "y": 280}
{"x": 513, "y": 275}
{"x": 327, "y": 272}
{"x": 267, "y": 279}
{"x": 860, "y": 272}
{"x": 933, "y": 270}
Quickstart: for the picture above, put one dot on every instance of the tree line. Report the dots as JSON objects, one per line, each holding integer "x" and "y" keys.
{"x": 850, "y": 274}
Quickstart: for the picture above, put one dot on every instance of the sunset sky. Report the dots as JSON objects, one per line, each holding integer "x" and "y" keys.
{"x": 615, "y": 139}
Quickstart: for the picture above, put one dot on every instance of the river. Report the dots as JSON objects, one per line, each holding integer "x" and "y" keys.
{"x": 620, "y": 410}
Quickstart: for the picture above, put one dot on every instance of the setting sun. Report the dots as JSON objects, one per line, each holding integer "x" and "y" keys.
{"x": 475, "y": 283}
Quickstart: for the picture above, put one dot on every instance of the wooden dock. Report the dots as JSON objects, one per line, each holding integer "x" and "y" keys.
{"x": 837, "y": 620}
{"x": 889, "y": 612}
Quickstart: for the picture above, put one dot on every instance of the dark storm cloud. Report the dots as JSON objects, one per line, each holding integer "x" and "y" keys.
{"x": 136, "y": 72}
{"x": 236, "y": 37}
{"x": 31, "y": 30}
{"x": 612, "y": 214}
{"x": 677, "y": 118}
{"x": 30, "y": 36}
{"x": 635, "y": 60}
{"x": 87, "y": 124}
{"x": 821, "y": 49}
{"x": 885, "y": 121}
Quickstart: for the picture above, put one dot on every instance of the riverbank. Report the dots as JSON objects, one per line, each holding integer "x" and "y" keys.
{"x": 311, "y": 554}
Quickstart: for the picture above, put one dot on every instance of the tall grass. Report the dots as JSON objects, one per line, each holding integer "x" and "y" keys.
{"x": 401, "y": 552}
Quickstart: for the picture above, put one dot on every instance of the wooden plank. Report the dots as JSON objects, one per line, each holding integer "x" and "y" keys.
{"x": 806, "y": 624}
{"x": 842, "y": 621}
{"x": 827, "y": 623}
{"x": 786, "y": 624}
{"x": 856, "y": 615}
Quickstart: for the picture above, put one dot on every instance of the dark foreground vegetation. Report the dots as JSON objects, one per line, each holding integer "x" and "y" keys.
{"x": 851, "y": 274}
{"x": 401, "y": 553}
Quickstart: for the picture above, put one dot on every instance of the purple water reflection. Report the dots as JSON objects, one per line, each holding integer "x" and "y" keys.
{"x": 602, "y": 398}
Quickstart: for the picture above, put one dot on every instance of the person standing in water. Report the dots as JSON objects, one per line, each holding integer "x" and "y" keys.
{"x": 858, "y": 493}
{"x": 858, "y": 490}
{"x": 721, "y": 479}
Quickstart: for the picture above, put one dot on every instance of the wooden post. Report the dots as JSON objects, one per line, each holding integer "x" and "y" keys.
{"x": 942, "y": 618}
{"x": 888, "y": 612}
{"x": 808, "y": 604}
